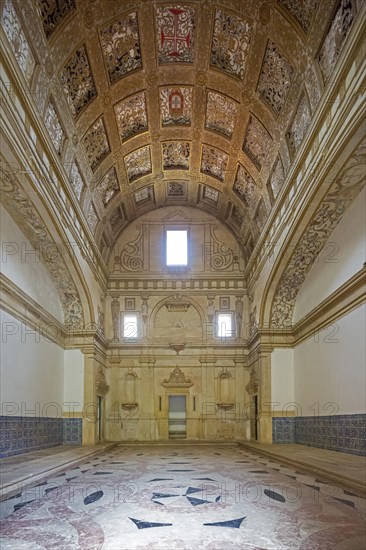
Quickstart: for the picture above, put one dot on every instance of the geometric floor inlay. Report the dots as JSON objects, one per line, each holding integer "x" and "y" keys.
{"x": 183, "y": 497}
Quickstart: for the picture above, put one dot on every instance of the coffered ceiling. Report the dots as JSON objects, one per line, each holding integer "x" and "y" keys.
{"x": 198, "y": 103}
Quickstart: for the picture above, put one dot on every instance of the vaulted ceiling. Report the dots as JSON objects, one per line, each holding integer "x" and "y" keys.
{"x": 198, "y": 103}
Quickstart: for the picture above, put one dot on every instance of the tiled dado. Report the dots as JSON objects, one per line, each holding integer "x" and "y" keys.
{"x": 24, "y": 434}
{"x": 345, "y": 433}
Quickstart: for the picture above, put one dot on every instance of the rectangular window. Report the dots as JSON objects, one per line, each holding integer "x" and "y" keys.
{"x": 130, "y": 326}
{"x": 224, "y": 325}
{"x": 176, "y": 248}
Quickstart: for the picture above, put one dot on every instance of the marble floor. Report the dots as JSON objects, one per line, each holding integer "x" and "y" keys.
{"x": 182, "y": 497}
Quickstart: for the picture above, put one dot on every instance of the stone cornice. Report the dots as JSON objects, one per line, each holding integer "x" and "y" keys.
{"x": 16, "y": 302}
{"x": 347, "y": 297}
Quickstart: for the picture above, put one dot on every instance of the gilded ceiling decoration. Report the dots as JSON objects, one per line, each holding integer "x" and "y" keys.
{"x": 211, "y": 194}
{"x": 54, "y": 127}
{"x": 221, "y": 113}
{"x": 276, "y": 179}
{"x": 237, "y": 216}
{"x": 176, "y": 155}
{"x": 257, "y": 142}
{"x": 348, "y": 184}
{"x": 275, "y": 78}
{"x": 246, "y": 188}
{"x": 78, "y": 81}
{"x": 138, "y": 163}
{"x": 96, "y": 144}
{"x": 131, "y": 116}
{"x": 206, "y": 90}
{"x": 17, "y": 39}
{"x": 53, "y": 12}
{"x": 76, "y": 180}
{"x": 144, "y": 195}
{"x": 91, "y": 217}
{"x": 175, "y": 28}
{"x": 117, "y": 217}
{"x": 299, "y": 125}
{"x": 176, "y": 189}
{"x": 261, "y": 215}
{"x": 176, "y": 106}
{"x": 121, "y": 46}
{"x": 335, "y": 38}
{"x": 109, "y": 186}
{"x": 230, "y": 44}
{"x": 214, "y": 162}
{"x": 303, "y": 11}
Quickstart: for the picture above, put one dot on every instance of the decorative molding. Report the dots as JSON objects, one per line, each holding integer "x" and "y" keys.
{"x": 348, "y": 184}
{"x": 27, "y": 217}
{"x": 177, "y": 379}
{"x": 132, "y": 255}
{"x": 20, "y": 305}
{"x": 222, "y": 257}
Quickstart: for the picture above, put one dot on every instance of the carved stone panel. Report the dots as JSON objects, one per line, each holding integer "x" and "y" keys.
{"x": 175, "y": 30}
{"x": 211, "y": 194}
{"x": 109, "y": 186}
{"x": 237, "y": 216}
{"x": 177, "y": 320}
{"x": 276, "y": 179}
{"x": 17, "y": 39}
{"x": 257, "y": 142}
{"x": 214, "y": 162}
{"x": 138, "y": 163}
{"x": 246, "y": 188}
{"x": 131, "y": 116}
{"x": 120, "y": 43}
{"x": 176, "y": 155}
{"x": 76, "y": 180}
{"x": 230, "y": 43}
{"x": 261, "y": 215}
{"x": 303, "y": 11}
{"x": 335, "y": 38}
{"x": 275, "y": 78}
{"x": 53, "y": 12}
{"x": 54, "y": 127}
{"x": 299, "y": 125}
{"x": 177, "y": 379}
{"x": 91, "y": 217}
{"x": 77, "y": 81}
{"x": 176, "y": 106}
{"x": 221, "y": 113}
{"x": 96, "y": 144}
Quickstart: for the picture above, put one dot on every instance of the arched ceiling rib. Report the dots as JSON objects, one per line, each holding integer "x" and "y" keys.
{"x": 199, "y": 103}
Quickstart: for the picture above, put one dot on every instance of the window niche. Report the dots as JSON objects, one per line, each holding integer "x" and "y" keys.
{"x": 225, "y": 327}
{"x": 177, "y": 249}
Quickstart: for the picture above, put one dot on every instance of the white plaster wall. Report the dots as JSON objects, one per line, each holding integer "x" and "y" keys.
{"x": 73, "y": 380}
{"x": 31, "y": 371}
{"x": 340, "y": 259}
{"x": 22, "y": 265}
{"x": 282, "y": 374}
{"x": 330, "y": 368}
